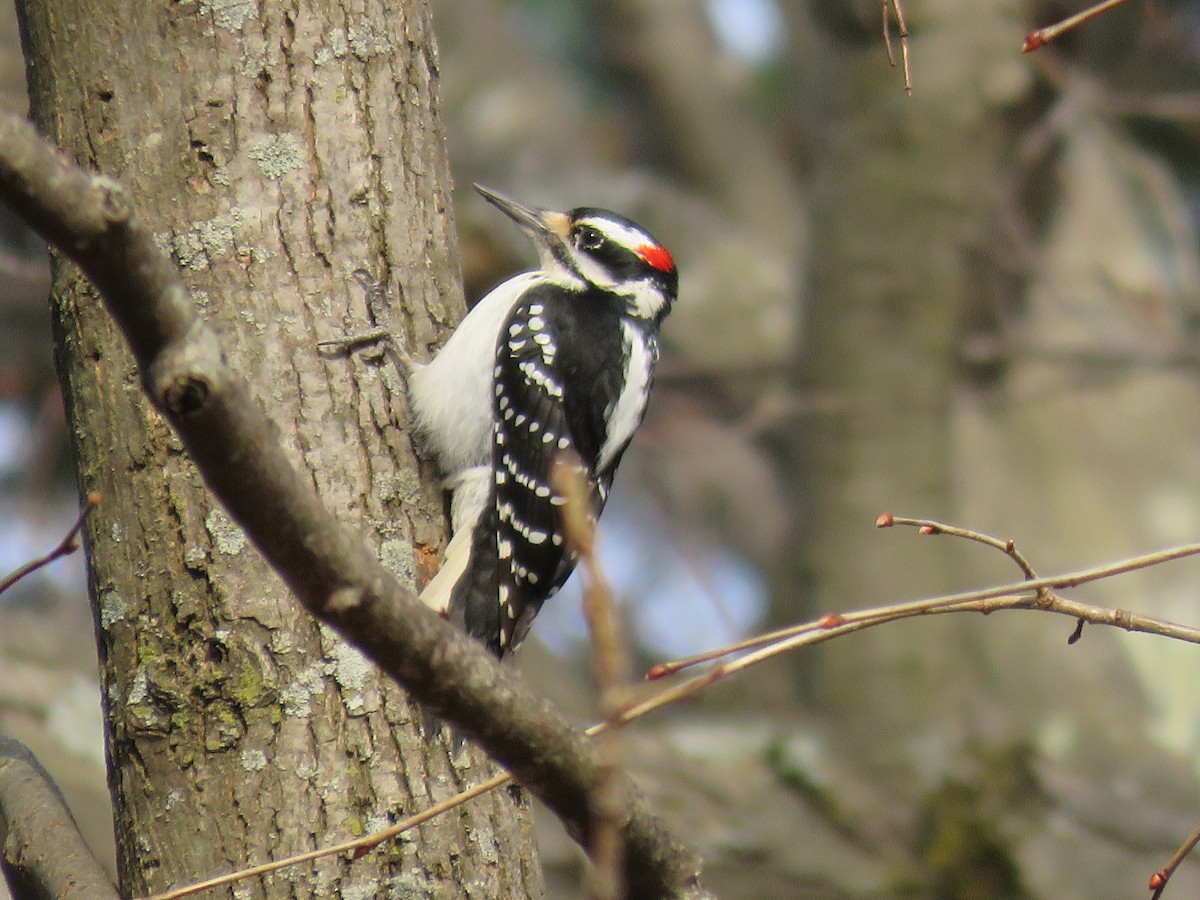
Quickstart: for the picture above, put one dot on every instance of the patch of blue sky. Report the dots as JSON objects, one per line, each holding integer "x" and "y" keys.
{"x": 681, "y": 592}
{"x": 30, "y": 529}
{"x": 16, "y": 437}
{"x": 751, "y": 30}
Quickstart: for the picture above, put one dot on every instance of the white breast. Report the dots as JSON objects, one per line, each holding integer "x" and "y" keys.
{"x": 451, "y": 397}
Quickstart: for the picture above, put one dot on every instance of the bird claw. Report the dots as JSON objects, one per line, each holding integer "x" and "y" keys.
{"x": 344, "y": 346}
{"x": 376, "y": 342}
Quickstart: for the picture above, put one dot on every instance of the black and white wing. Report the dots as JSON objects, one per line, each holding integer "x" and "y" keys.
{"x": 562, "y": 386}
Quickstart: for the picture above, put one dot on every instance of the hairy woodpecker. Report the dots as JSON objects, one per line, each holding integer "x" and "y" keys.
{"x": 551, "y": 361}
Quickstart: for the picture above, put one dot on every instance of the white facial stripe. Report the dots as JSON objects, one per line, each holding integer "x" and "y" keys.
{"x": 645, "y": 296}
{"x": 625, "y": 236}
{"x": 594, "y": 272}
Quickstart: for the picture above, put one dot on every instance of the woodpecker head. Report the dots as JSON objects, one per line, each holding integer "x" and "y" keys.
{"x": 589, "y": 247}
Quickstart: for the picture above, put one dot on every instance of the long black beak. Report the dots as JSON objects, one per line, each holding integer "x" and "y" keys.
{"x": 539, "y": 222}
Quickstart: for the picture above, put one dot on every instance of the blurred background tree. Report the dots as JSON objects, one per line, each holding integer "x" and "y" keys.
{"x": 979, "y": 304}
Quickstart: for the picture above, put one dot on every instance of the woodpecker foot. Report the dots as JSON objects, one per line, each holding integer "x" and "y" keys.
{"x": 376, "y": 342}
{"x": 368, "y": 341}
{"x": 432, "y": 727}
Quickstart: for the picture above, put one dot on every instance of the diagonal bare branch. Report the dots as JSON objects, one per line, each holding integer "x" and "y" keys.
{"x": 91, "y": 219}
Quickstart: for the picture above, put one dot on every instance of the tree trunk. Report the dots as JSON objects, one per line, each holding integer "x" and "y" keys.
{"x": 276, "y": 148}
{"x": 901, "y": 185}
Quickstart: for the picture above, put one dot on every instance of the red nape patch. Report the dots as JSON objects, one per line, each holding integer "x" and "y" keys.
{"x": 657, "y": 256}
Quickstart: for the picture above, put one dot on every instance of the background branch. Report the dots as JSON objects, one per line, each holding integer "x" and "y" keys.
{"x": 609, "y": 662}
{"x": 68, "y": 545}
{"x": 90, "y": 218}
{"x": 44, "y": 854}
{"x": 833, "y": 625}
{"x": 1034, "y": 593}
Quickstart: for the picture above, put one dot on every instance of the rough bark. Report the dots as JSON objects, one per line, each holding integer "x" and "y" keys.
{"x": 274, "y": 149}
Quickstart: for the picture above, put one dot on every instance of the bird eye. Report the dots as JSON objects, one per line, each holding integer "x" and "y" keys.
{"x": 588, "y": 238}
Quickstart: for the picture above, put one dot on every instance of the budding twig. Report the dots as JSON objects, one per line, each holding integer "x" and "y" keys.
{"x": 887, "y": 39}
{"x": 1008, "y": 596}
{"x": 1158, "y": 881}
{"x": 1042, "y": 36}
{"x": 68, "y": 545}
{"x": 928, "y": 526}
{"x": 610, "y": 669}
{"x": 1032, "y": 593}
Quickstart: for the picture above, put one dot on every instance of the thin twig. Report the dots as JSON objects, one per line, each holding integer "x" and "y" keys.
{"x": 989, "y": 601}
{"x": 970, "y": 601}
{"x": 68, "y": 545}
{"x": 382, "y": 337}
{"x": 1013, "y": 596}
{"x": 1158, "y": 881}
{"x": 898, "y": 6}
{"x": 928, "y": 526}
{"x": 887, "y": 33}
{"x": 357, "y": 847}
{"x": 610, "y": 669}
{"x": 1042, "y": 36}
{"x": 887, "y": 39}
{"x": 346, "y": 345}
